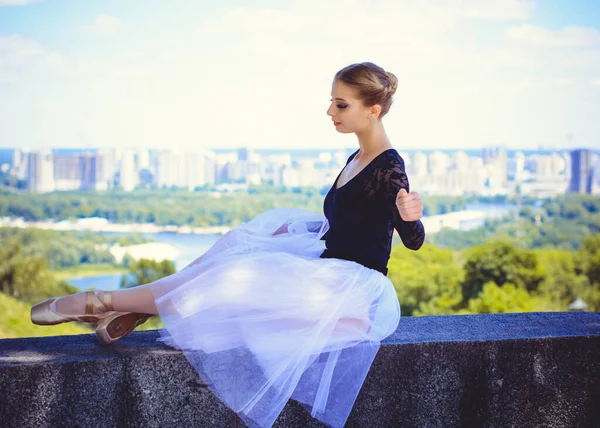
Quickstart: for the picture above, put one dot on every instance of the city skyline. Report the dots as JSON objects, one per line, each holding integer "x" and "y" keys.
{"x": 492, "y": 171}
{"x": 472, "y": 74}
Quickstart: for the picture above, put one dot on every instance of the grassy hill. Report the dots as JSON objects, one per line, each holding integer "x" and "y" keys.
{"x": 15, "y": 321}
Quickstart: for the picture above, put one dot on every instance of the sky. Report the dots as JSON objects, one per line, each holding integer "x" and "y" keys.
{"x": 196, "y": 74}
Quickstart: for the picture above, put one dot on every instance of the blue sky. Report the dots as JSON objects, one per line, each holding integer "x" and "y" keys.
{"x": 199, "y": 74}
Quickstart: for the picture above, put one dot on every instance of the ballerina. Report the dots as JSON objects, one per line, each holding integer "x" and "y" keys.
{"x": 292, "y": 304}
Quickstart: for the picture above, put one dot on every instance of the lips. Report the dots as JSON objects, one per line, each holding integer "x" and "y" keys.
{"x": 337, "y": 123}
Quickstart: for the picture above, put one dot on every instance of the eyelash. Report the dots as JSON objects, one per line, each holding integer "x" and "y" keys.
{"x": 341, "y": 106}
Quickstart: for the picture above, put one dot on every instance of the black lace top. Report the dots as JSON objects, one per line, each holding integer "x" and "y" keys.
{"x": 362, "y": 214}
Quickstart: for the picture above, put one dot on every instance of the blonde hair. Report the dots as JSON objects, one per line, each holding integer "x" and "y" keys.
{"x": 373, "y": 84}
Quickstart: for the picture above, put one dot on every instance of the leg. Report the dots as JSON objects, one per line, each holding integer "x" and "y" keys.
{"x": 137, "y": 299}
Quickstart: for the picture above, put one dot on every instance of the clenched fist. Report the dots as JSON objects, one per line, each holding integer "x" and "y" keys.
{"x": 409, "y": 205}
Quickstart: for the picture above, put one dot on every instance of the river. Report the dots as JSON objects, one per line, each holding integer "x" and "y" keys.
{"x": 192, "y": 246}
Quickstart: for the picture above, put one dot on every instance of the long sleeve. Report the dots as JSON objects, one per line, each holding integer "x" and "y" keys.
{"x": 412, "y": 233}
{"x": 391, "y": 178}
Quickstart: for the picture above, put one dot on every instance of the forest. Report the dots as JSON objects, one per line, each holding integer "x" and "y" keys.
{"x": 540, "y": 257}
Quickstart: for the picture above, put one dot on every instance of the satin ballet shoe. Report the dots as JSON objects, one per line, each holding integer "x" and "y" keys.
{"x": 117, "y": 325}
{"x": 44, "y": 313}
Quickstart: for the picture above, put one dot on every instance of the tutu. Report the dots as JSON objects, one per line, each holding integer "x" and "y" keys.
{"x": 263, "y": 318}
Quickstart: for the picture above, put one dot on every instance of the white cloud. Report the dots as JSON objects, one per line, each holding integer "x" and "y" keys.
{"x": 15, "y": 2}
{"x": 498, "y": 9}
{"x": 596, "y": 82}
{"x": 564, "y": 81}
{"x": 262, "y": 78}
{"x": 566, "y": 37}
{"x": 17, "y": 46}
{"x": 247, "y": 20}
{"x": 104, "y": 24}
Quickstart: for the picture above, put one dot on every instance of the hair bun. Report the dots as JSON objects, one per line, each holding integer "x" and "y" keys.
{"x": 393, "y": 82}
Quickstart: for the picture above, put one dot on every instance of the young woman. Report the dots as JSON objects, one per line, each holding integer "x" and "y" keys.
{"x": 291, "y": 304}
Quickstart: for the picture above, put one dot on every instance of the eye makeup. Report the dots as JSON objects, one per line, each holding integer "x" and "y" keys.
{"x": 340, "y": 105}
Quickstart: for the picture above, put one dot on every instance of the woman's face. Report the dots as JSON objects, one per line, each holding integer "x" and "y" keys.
{"x": 347, "y": 112}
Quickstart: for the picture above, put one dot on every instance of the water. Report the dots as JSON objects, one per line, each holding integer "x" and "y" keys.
{"x": 492, "y": 210}
{"x": 193, "y": 246}
{"x": 101, "y": 282}
{"x": 190, "y": 246}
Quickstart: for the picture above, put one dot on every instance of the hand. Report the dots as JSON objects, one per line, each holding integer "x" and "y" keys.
{"x": 409, "y": 205}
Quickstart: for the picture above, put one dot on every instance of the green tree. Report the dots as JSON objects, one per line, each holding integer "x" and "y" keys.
{"x": 145, "y": 271}
{"x": 425, "y": 275}
{"x": 591, "y": 296}
{"x": 588, "y": 257}
{"x": 508, "y": 298}
{"x": 562, "y": 281}
{"x": 500, "y": 262}
{"x": 27, "y": 277}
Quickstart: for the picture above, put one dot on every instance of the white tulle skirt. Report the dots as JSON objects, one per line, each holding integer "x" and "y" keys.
{"x": 263, "y": 318}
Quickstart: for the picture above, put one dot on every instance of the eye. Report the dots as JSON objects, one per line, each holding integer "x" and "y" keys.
{"x": 341, "y": 105}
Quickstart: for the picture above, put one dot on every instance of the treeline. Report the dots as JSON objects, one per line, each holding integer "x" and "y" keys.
{"x": 178, "y": 207}
{"x": 561, "y": 222}
{"x": 27, "y": 277}
{"x": 497, "y": 276}
{"x": 61, "y": 249}
{"x": 26, "y": 280}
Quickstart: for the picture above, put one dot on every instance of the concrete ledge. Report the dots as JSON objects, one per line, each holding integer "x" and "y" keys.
{"x": 496, "y": 370}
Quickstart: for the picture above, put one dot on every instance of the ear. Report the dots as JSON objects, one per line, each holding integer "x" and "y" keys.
{"x": 375, "y": 110}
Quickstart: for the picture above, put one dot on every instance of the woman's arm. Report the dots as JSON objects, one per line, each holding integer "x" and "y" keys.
{"x": 392, "y": 177}
{"x": 412, "y": 233}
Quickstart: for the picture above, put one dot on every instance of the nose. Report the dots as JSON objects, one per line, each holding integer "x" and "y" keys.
{"x": 329, "y": 113}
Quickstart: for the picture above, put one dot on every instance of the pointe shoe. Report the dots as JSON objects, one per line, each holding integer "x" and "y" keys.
{"x": 117, "y": 325}
{"x": 44, "y": 313}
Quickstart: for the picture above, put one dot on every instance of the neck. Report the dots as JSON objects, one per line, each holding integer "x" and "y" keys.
{"x": 373, "y": 140}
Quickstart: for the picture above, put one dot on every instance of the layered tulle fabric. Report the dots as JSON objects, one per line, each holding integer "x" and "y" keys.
{"x": 263, "y": 318}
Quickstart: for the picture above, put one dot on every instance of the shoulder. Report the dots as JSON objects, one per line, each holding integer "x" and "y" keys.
{"x": 389, "y": 173}
{"x": 390, "y": 160}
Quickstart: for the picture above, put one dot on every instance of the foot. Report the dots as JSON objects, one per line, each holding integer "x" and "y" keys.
{"x": 74, "y": 304}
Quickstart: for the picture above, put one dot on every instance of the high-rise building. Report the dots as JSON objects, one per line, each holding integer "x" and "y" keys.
{"x": 142, "y": 158}
{"x": 581, "y": 171}
{"x": 19, "y": 163}
{"x": 567, "y": 158}
{"x": 460, "y": 160}
{"x": 79, "y": 171}
{"x": 496, "y": 160}
{"x": 128, "y": 174}
{"x": 199, "y": 169}
{"x": 209, "y": 168}
{"x": 439, "y": 162}
{"x": 407, "y": 160}
{"x": 245, "y": 154}
{"x": 340, "y": 157}
{"x": 519, "y": 163}
{"x": 557, "y": 164}
{"x": 40, "y": 171}
{"x": 107, "y": 158}
{"x": 67, "y": 171}
{"x": 419, "y": 166}
{"x": 543, "y": 166}
{"x": 92, "y": 171}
